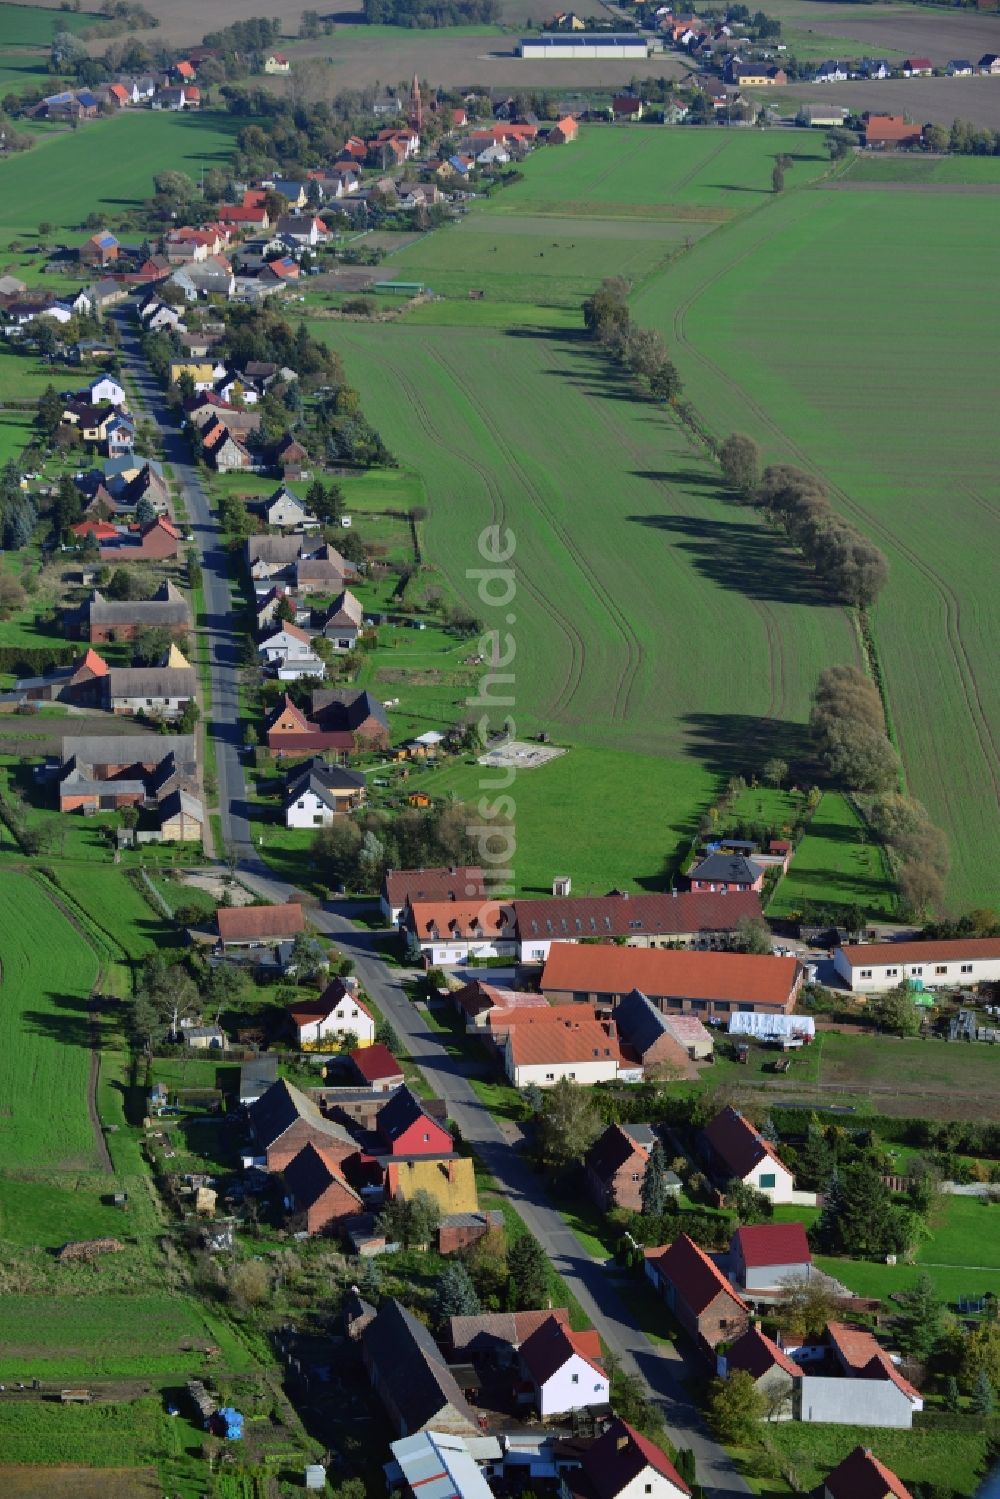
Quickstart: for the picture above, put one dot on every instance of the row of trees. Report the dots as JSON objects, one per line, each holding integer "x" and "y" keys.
{"x": 641, "y": 350}
{"x": 428, "y": 14}
{"x": 919, "y": 849}
{"x": 798, "y": 502}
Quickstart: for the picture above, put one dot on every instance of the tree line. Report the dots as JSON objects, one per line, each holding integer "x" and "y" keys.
{"x": 847, "y": 724}
{"x": 640, "y": 350}
{"x": 796, "y": 501}
{"x": 428, "y": 14}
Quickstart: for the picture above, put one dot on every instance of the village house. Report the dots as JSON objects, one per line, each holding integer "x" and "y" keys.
{"x": 563, "y": 131}
{"x": 960, "y": 962}
{"x": 278, "y": 556}
{"x": 286, "y": 510}
{"x": 917, "y": 67}
{"x": 774, "y": 1374}
{"x": 156, "y": 773}
{"x": 289, "y": 653}
{"x": 317, "y": 1194}
{"x": 157, "y": 541}
{"x": 319, "y": 793}
{"x": 563, "y": 1369}
{"x": 342, "y": 625}
{"x": 344, "y": 721}
{"x": 891, "y": 130}
{"x": 656, "y": 920}
{"x": 862, "y": 1476}
{"x": 160, "y": 691}
{"x": 477, "y": 1001}
{"x": 375, "y": 1067}
{"x": 709, "y": 984}
{"x": 409, "y": 1374}
{"x": 449, "y": 932}
{"x": 767, "y": 1256}
{"x": 277, "y": 63}
{"x": 737, "y": 1151}
{"x": 541, "y": 1047}
{"x": 493, "y": 1338}
{"x": 79, "y": 683}
{"x": 334, "y": 1015}
{"x": 623, "y": 1464}
{"x": 405, "y": 1128}
{"x": 100, "y": 249}
{"x": 615, "y": 1166}
{"x": 401, "y": 887}
{"x": 849, "y": 1380}
{"x": 645, "y": 1035}
{"x": 697, "y": 1292}
{"x": 283, "y": 1121}
{"x": 725, "y": 872}
{"x": 988, "y": 65}
{"x": 102, "y": 620}
{"x": 256, "y": 926}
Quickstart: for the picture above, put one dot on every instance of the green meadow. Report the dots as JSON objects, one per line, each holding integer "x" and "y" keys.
{"x": 799, "y": 326}
{"x": 835, "y": 865}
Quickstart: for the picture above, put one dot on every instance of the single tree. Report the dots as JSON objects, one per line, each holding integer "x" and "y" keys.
{"x": 805, "y": 1307}
{"x": 735, "y": 1408}
{"x": 739, "y": 457}
{"x": 568, "y": 1124}
{"x": 952, "y": 1399}
{"x": 655, "y": 1193}
{"x": 776, "y": 771}
{"x": 895, "y": 1011}
{"x": 527, "y": 1267}
{"x": 983, "y": 1398}
{"x": 454, "y": 1295}
{"x": 917, "y": 1322}
{"x": 749, "y": 1205}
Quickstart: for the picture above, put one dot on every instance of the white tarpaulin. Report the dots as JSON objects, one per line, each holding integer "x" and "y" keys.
{"x": 787, "y": 1027}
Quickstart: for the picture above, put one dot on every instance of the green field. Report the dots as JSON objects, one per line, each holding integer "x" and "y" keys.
{"x": 106, "y": 167}
{"x": 835, "y": 864}
{"x": 33, "y": 26}
{"x": 614, "y": 513}
{"x": 970, "y": 170}
{"x": 956, "y": 1461}
{"x": 48, "y": 973}
{"x": 894, "y": 423}
{"x": 108, "y": 1336}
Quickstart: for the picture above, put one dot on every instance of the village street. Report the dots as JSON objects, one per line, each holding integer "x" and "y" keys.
{"x": 591, "y": 1282}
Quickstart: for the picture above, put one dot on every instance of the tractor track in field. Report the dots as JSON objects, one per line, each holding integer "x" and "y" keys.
{"x": 992, "y": 509}
{"x": 700, "y": 166}
{"x": 952, "y": 608}
{"x": 498, "y": 507}
{"x": 634, "y": 649}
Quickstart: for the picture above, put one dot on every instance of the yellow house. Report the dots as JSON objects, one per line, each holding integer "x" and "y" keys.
{"x": 451, "y": 1182}
{"x": 277, "y": 63}
{"x": 203, "y": 374}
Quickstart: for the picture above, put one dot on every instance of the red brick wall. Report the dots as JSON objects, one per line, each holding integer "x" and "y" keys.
{"x": 722, "y": 1321}
{"x": 336, "y": 1204}
{"x": 302, "y": 1133}
{"x": 451, "y": 1239}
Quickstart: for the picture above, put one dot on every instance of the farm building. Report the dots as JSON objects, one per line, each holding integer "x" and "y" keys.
{"x": 584, "y": 46}
{"x": 737, "y": 1151}
{"x": 409, "y": 1374}
{"x": 659, "y": 920}
{"x": 772, "y": 1371}
{"x": 253, "y": 926}
{"x": 697, "y": 1292}
{"x": 706, "y": 984}
{"x": 764, "y": 1256}
{"x": 878, "y": 966}
{"x": 400, "y": 887}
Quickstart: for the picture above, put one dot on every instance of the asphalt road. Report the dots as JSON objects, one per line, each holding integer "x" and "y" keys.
{"x": 593, "y": 1284}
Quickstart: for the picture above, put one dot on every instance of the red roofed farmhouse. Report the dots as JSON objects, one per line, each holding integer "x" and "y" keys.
{"x": 623, "y": 1464}
{"x": 770, "y": 1368}
{"x": 891, "y": 130}
{"x": 253, "y": 926}
{"x": 765, "y": 1256}
{"x": 563, "y": 1368}
{"x": 697, "y": 1292}
{"x": 704, "y": 983}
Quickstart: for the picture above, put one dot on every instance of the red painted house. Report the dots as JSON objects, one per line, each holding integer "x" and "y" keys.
{"x": 406, "y": 1129}
{"x": 727, "y": 872}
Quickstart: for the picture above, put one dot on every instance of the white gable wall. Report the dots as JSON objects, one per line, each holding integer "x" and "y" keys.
{"x": 575, "y": 1385}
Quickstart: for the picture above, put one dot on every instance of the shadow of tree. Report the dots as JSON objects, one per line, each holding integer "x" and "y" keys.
{"x": 742, "y": 557}
{"x": 741, "y": 743}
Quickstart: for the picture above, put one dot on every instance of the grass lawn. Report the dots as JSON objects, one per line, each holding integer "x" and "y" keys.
{"x": 33, "y": 26}
{"x": 824, "y": 390}
{"x": 900, "y": 168}
{"x": 48, "y": 972}
{"x": 108, "y": 1336}
{"x": 49, "y": 1210}
{"x": 835, "y": 865}
{"x": 914, "y": 1074}
{"x": 562, "y": 809}
{"x": 952, "y": 1459}
{"x": 961, "y": 1255}
{"x": 106, "y": 167}
{"x": 16, "y": 430}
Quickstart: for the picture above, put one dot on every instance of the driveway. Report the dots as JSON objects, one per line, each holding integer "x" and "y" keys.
{"x": 591, "y": 1282}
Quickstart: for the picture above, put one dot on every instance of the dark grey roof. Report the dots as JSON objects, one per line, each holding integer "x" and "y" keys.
{"x": 323, "y": 780}
{"x": 167, "y": 607}
{"x": 278, "y": 1109}
{"x": 178, "y": 801}
{"x": 346, "y": 708}
{"x": 726, "y": 869}
{"x": 410, "y": 1368}
{"x": 257, "y": 1076}
{"x": 274, "y": 549}
{"x": 403, "y": 1109}
{"x": 641, "y": 1134}
{"x": 639, "y": 1022}
{"x": 128, "y": 749}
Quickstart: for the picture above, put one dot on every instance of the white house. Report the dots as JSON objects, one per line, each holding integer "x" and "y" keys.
{"x": 623, "y": 1464}
{"x": 541, "y": 1047}
{"x": 737, "y": 1151}
{"x": 289, "y": 651}
{"x": 105, "y": 390}
{"x": 342, "y": 625}
{"x": 877, "y": 966}
{"x": 563, "y": 1369}
{"x": 285, "y": 509}
{"x": 320, "y": 793}
{"x": 338, "y": 1012}
{"x": 452, "y": 931}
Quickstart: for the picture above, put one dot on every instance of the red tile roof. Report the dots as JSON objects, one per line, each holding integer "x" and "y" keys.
{"x": 736, "y": 977}
{"x": 696, "y": 1279}
{"x": 475, "y": 997}
{"x": 582, "y": 1040}
{"x": 865, "y": 1357}
{"x": 624, "y": 915}
{"x": 92, "y": 662}
{"x": 460, "y": 917}
{"x": 738, "y": 1144}
{"x": 756, "y": 1353}
{"x": 375, "y": 1063}
{"x": 553, "y": 1344}
{"x": 763, "y": 1244}
{"x": 862, "y": 1476}
{"x": 243, "y": 923}
{"x": 959, "y": 949}
{"x": 619, "y": 1456}
{"x": 891, "y": 128}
